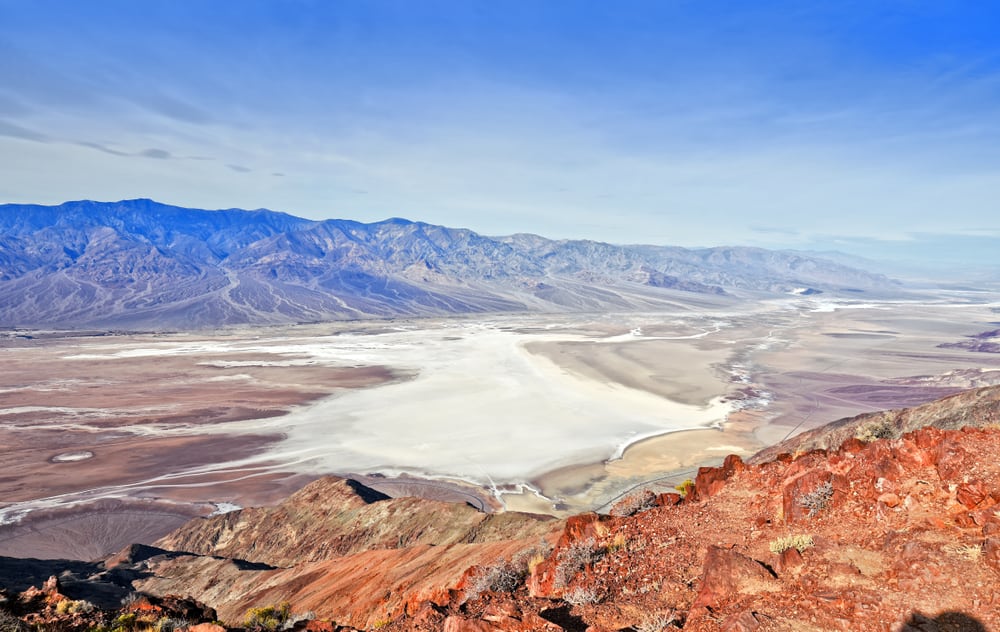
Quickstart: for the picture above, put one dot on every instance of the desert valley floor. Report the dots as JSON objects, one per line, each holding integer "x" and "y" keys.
{"x": 115, "y": 438}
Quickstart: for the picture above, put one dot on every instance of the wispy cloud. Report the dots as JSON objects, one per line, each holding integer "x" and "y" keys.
{"x": 102, "y": 148}
{"x": 158, "y": 154}
{"x": 239, "y": 168}
{"x": 12, "y": 130}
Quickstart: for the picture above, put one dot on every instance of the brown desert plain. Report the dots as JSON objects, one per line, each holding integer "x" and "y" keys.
{"x": 112, "y": 438}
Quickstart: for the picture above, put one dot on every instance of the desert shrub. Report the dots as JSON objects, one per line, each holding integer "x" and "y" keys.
{"x": 499, "y": 576}
{"x": 581, "y": 596}
{"x": 634, "y": 503}
{"x": 619, "y": 542}
{"x": 74, "y": 606}
{"x": 684, "y": 488}
{"x": 125, "y": 621}
{"x": 268, "y": 618}
{"x": 573, "y": 559}
{"x": 818, "y": 499}
{"x": 656, "y": 622}
{"x": 10, "y": 623}
{"x": 970, "y": 552}
{"x": 874, "y": 430}
{"x": 169, "y": 624}
{"x": 798, "y": 542}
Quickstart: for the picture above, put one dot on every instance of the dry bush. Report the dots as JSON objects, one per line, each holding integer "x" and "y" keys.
{"x": 798, "y": 542}
{"x": 499, "y": 576}
{"x": 582, "y": 596}
{"x": 268, "y": 618}
{"x": 970, "y": 552}
{"x": 574, "y": 558}
{"x": 634, "y": 503}
{"x": 10, "y": 623}
{"x": 818, "y": 499}
{"x": 656, "y": 622}
{"x": 874, "y": 430}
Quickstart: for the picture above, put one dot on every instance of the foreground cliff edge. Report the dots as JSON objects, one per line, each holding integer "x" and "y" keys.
{"x": 893, "y": 526}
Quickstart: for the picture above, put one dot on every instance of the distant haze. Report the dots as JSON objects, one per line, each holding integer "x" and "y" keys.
{"x": 869, "y": 128}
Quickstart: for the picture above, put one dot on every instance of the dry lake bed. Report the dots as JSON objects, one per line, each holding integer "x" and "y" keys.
{"x": 109, "y": 439}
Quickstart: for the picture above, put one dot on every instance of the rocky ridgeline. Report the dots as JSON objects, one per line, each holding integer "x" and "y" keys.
{"x": 898, "y": 533}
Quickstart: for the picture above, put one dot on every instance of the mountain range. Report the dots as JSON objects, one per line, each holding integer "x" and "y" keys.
{"x": 143, "y": 264}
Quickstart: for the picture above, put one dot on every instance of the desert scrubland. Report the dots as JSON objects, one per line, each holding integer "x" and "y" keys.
{"x": 113, "y": 438}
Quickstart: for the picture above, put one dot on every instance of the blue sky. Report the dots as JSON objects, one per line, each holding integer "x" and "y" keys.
{"x": 865, "y": 126}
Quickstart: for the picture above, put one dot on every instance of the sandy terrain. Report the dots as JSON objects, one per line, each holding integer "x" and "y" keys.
{"x": 539, "y": 413}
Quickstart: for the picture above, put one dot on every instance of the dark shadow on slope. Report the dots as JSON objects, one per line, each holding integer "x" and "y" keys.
{"x": 561, "y": 616}
{"x": 366, "y": 494}
{"x": 944, "y": 622}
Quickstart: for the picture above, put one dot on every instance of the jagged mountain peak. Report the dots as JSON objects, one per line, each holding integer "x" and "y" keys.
{"x": 266, "y": 267}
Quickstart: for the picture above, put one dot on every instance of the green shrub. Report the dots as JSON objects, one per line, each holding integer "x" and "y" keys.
{"x": 268, "y": 618}
{"x": 685, "y": 488}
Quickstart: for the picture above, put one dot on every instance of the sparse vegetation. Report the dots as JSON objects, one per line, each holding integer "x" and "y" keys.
{"x": 499, "y": 576}
{"x": 74, "y": 606}
{"x": 797, "y": 542}
{"x": 131, "y": 599}
{"x": 582, "y": 596}
{"x": 685, "y": 488}
{"x": 618, "y": 543}
{"x": 656, "y": 622}
{"x": 268, "y": 618}
{"x": 168, "y": 624}
{"x": 634, "y": 503}
{"x": 573, "y": 559}
{"x": 818, "y": 499}
{"x": 970, "y": 552}
{"x": 874, "y": 430}
{"x": 124, "y": 621}
{"x": 10, "y": 623}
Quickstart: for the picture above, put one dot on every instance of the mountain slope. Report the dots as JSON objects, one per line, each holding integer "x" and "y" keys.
{"x": 900, "y": 534}
{"x": 139, "y": 263}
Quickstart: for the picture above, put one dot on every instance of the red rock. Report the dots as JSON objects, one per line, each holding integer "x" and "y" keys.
{"x": 744, "y": 621}
{"x": 991, "y": 553}
{"x": 728, "y": 574}
{"x": 797, "y": 488}
{"x": 321, "y": 626}
{"x": 949, "y": 459}
{"x": 212, "y": 627}
{"x": 711, "y": 480}
{"x": 668, "y": 500}
{"x": 504, "y": 609}
{"x": 972, "y": 494}
{"x": 427, "y": 615}
{"x": 790, "y": 560}
{"x": 991, "y": 522}
{"x": 579, "y": 527}
{"x": 889, "y": 500}
{"x": 460, "y": 624}
{"x": 852, "y": 446}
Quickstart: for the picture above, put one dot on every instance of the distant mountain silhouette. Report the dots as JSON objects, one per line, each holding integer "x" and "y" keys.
{"x": 142, "y": 264}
